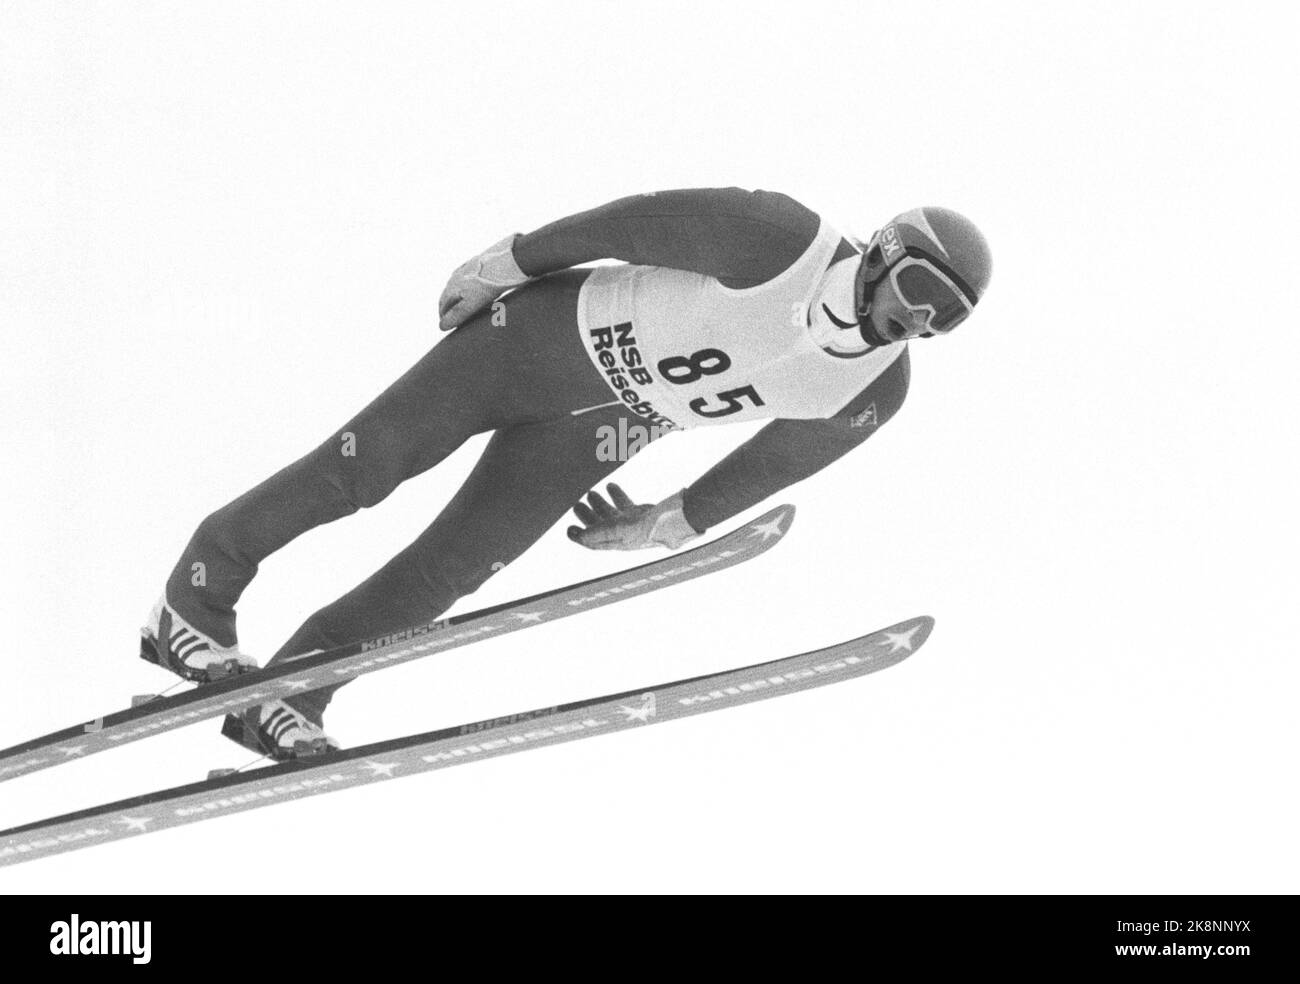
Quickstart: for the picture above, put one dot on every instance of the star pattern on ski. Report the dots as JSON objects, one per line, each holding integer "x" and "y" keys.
{"x": 302, "y": 683}
{"x": 135, "y": 823}
{"x": 769, "y": 529}
{"x": 384, "y": 769}
{"x": 528, "y": 616}
{"x": 643, "y": 713}
{"x": 71, "y": 750}
{"x": 900, "y": 640}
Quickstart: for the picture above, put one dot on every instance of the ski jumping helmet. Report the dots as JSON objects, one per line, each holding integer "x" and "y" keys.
{"x": 938, "y": 262}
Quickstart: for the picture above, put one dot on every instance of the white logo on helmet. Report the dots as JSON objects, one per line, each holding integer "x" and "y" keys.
{"x": 889, "y": 242}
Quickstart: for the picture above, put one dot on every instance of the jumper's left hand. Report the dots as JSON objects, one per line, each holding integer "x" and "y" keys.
{"x": 478, "y": 282}
{"x": 622, "y": 524}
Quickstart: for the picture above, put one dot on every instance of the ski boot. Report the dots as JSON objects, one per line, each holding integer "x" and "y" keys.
{"x": 278, "y": 731}
{"x": 171, "y": 642}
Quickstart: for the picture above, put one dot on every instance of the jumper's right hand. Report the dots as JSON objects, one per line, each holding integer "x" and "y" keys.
{"x": 622, "y": 524}
{"x": 478, "y": 282}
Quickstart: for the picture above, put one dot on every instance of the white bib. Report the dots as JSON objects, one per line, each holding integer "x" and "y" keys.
{"x": 682, "y": 350}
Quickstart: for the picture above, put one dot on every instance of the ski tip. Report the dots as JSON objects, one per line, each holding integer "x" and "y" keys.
{"x": 913, "y": 631}
{"x": 773, "y": 525}
{"x": 884, "y": 647}
{"x": 896, "y": 642}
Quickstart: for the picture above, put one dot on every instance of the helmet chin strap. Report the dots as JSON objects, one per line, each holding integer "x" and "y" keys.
{"x": 869, "y": 275}
{"x": 865, "y": 325}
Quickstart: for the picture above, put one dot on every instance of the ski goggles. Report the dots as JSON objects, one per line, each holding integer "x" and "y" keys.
{"x": 935, "y": 296}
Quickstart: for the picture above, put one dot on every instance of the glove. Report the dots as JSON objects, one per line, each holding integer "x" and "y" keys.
{"x": 478, "y": 282}
{"x": 625, "y": 525}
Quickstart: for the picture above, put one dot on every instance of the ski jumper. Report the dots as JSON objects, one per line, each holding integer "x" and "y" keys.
{"x": 701, "y": 325}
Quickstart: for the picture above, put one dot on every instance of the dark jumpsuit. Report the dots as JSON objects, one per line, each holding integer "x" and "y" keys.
{"x": 521, "y": 373}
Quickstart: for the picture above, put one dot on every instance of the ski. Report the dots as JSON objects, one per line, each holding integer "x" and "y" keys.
{"x": 333, "y": 666}
{"x": 463, "y": 744}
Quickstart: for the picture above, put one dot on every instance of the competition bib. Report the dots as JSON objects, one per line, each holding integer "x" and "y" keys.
{"x": 682, "y": 350}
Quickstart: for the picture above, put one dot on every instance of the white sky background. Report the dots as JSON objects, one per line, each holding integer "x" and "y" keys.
{"x": 224, "y": 229}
